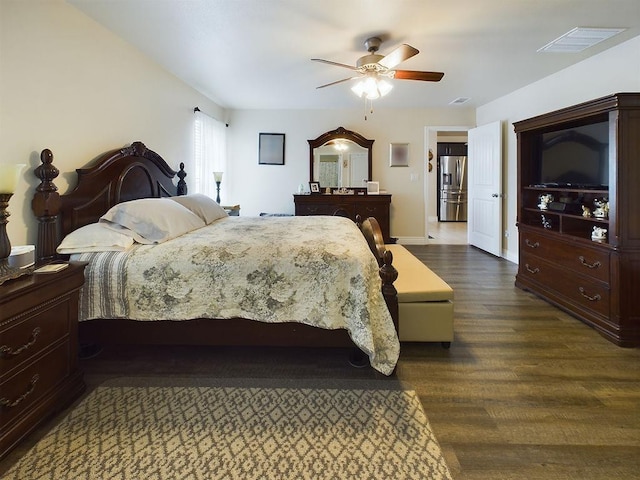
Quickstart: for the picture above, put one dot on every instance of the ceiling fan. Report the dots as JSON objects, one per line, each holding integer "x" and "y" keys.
{"x": 373, "y": 68}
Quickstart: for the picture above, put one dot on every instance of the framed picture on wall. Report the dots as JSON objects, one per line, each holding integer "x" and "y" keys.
{"x": 271, "y": 149}
{"x": 399, "y": 155}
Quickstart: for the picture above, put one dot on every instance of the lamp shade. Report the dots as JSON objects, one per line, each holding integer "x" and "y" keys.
{"x": 217, "y": 176}
{"x": 9, "y": 175}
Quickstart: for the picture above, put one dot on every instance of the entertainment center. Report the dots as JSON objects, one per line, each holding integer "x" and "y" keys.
{"x": 577, "y": 213}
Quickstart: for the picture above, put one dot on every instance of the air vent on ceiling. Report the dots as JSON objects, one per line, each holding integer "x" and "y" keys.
{"x": 459, "y": 101}
{"x": 579, "y": 38}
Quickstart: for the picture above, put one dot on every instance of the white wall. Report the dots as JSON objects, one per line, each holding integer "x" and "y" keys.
{"x": 70, "y": 85}
{"x": 612, "y": 71}
{"x": 269, "y": 188}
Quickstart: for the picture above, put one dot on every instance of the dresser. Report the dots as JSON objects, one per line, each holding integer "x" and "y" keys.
{"x": 39, "y": 372}
{"x": 349, "y": 206}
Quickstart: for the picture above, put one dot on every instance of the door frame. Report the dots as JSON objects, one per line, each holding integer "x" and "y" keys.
{"x": 431, "y": 142}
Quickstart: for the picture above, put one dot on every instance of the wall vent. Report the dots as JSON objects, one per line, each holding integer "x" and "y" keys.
{"x": 459, "y": 101}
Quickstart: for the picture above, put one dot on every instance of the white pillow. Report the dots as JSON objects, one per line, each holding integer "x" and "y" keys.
{"x": 204, "y": 207}
{"x": 152, "y": 220}
{"x": 94, "y": 237}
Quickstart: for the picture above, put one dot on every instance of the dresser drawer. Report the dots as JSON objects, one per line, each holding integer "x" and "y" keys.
{"x": 582, "y": 291}
{"x": 593, "y": 262}
{"x": 28, "y": 334}
{"x": 25, "y": 387}
{"x": 335, "y": 209}
{"x": 313, "y": 209}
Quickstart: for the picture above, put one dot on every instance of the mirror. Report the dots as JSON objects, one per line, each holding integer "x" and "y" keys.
{"x": 340, "y": 158}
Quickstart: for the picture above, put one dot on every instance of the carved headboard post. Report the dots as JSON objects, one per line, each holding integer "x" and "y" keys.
{"x": 46, "y": 207}
{"x": 182, "y": 185}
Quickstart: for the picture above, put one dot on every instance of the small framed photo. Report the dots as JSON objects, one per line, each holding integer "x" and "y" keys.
{"x": 314, "y": 187}
{"x": 399, "y": 155}
{"x": 271, "y": 149}
{"x": 373, "y": 188}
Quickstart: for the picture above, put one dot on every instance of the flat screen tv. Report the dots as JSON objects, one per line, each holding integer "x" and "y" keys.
{"x": 574, "y": 157}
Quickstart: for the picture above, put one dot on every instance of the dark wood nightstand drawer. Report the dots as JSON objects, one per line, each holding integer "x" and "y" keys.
{"x": 27, "y": 386}
{"x": 39, "y": 371}
{"x": 30, "y": 333}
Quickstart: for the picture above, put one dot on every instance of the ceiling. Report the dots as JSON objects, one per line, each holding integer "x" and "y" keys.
{"x": 255, "y": 54}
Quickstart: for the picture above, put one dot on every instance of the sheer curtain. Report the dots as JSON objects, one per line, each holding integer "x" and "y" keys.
{"x": 210, "y": 154}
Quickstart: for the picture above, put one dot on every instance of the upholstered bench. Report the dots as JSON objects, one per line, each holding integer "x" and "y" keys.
{"x": 425, "y": 301}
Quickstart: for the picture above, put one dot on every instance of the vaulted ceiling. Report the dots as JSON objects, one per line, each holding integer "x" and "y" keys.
{"x": 255, "y": 54}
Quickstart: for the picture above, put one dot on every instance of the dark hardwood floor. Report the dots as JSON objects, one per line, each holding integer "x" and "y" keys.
{"x": 525, "y": 391}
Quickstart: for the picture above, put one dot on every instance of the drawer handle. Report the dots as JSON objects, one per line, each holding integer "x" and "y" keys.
{"x": 7, "y": 352}
{"x": 595, "y": 298}
{"x": 595, "y": 264}
{"x": 529, "y": 244}
{"x": 6, "y": 403}
{"x": 532, "y": 270}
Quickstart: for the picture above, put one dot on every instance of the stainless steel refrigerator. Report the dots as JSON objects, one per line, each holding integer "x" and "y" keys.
{"x": 452, "y": 187}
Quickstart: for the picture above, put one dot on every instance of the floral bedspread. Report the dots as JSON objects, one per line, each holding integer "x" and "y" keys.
{"x": 313, "y": 270}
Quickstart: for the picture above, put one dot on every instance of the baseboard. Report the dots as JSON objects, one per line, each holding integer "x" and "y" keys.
{"x": 412, "y": 241}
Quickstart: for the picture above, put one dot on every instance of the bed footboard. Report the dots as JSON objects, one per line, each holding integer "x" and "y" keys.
{"x": 388, "y": 274}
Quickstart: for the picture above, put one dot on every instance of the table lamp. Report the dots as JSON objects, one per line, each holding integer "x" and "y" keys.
{"x": 8, "y": 179}
{"x": 217, "y": 176}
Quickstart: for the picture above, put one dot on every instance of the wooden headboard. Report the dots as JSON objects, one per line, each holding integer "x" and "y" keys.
{"x": 116, "y": 176}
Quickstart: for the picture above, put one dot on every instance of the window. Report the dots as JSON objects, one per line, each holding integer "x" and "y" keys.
{"x": 210, "y": 155}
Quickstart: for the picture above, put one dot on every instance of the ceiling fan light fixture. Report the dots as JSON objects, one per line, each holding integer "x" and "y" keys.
{"x": 371, "y": 88}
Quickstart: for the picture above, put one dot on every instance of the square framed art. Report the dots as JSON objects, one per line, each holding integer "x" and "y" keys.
{"x": 399, "y": 155}
{"x": 271, "y": 149}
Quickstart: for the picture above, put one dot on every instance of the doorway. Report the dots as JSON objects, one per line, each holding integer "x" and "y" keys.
{"x": 441, "y": 232}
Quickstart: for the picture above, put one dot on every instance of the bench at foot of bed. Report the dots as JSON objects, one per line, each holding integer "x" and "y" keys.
{"x": 425, "y": 301}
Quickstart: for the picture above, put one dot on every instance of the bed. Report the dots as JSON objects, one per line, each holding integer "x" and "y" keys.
{"x": 179, "y": 309}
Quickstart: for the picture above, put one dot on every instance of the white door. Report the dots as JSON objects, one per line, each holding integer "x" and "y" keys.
{"x": 484, "y": 226}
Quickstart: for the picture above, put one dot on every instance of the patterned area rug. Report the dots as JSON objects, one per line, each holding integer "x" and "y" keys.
{"x": 142, "y": 429}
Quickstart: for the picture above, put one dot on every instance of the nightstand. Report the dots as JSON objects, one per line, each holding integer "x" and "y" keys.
{"x": 39, "y": 371}
{"x": 232, "y": 210}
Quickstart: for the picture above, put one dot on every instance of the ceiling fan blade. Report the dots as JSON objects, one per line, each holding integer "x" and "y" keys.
{"x": 415, "y": 75}
{"x": 350, "y": 67}
{"x": 338, "y": 81}
{"x": 400, "y": 54}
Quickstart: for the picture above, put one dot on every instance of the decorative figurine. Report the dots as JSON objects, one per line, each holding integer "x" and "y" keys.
{"x": 586, "y": 211}
{"x": 545, "y": 200}
{"x": 602, "y": 208}
{"x": 598, "y": 234}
